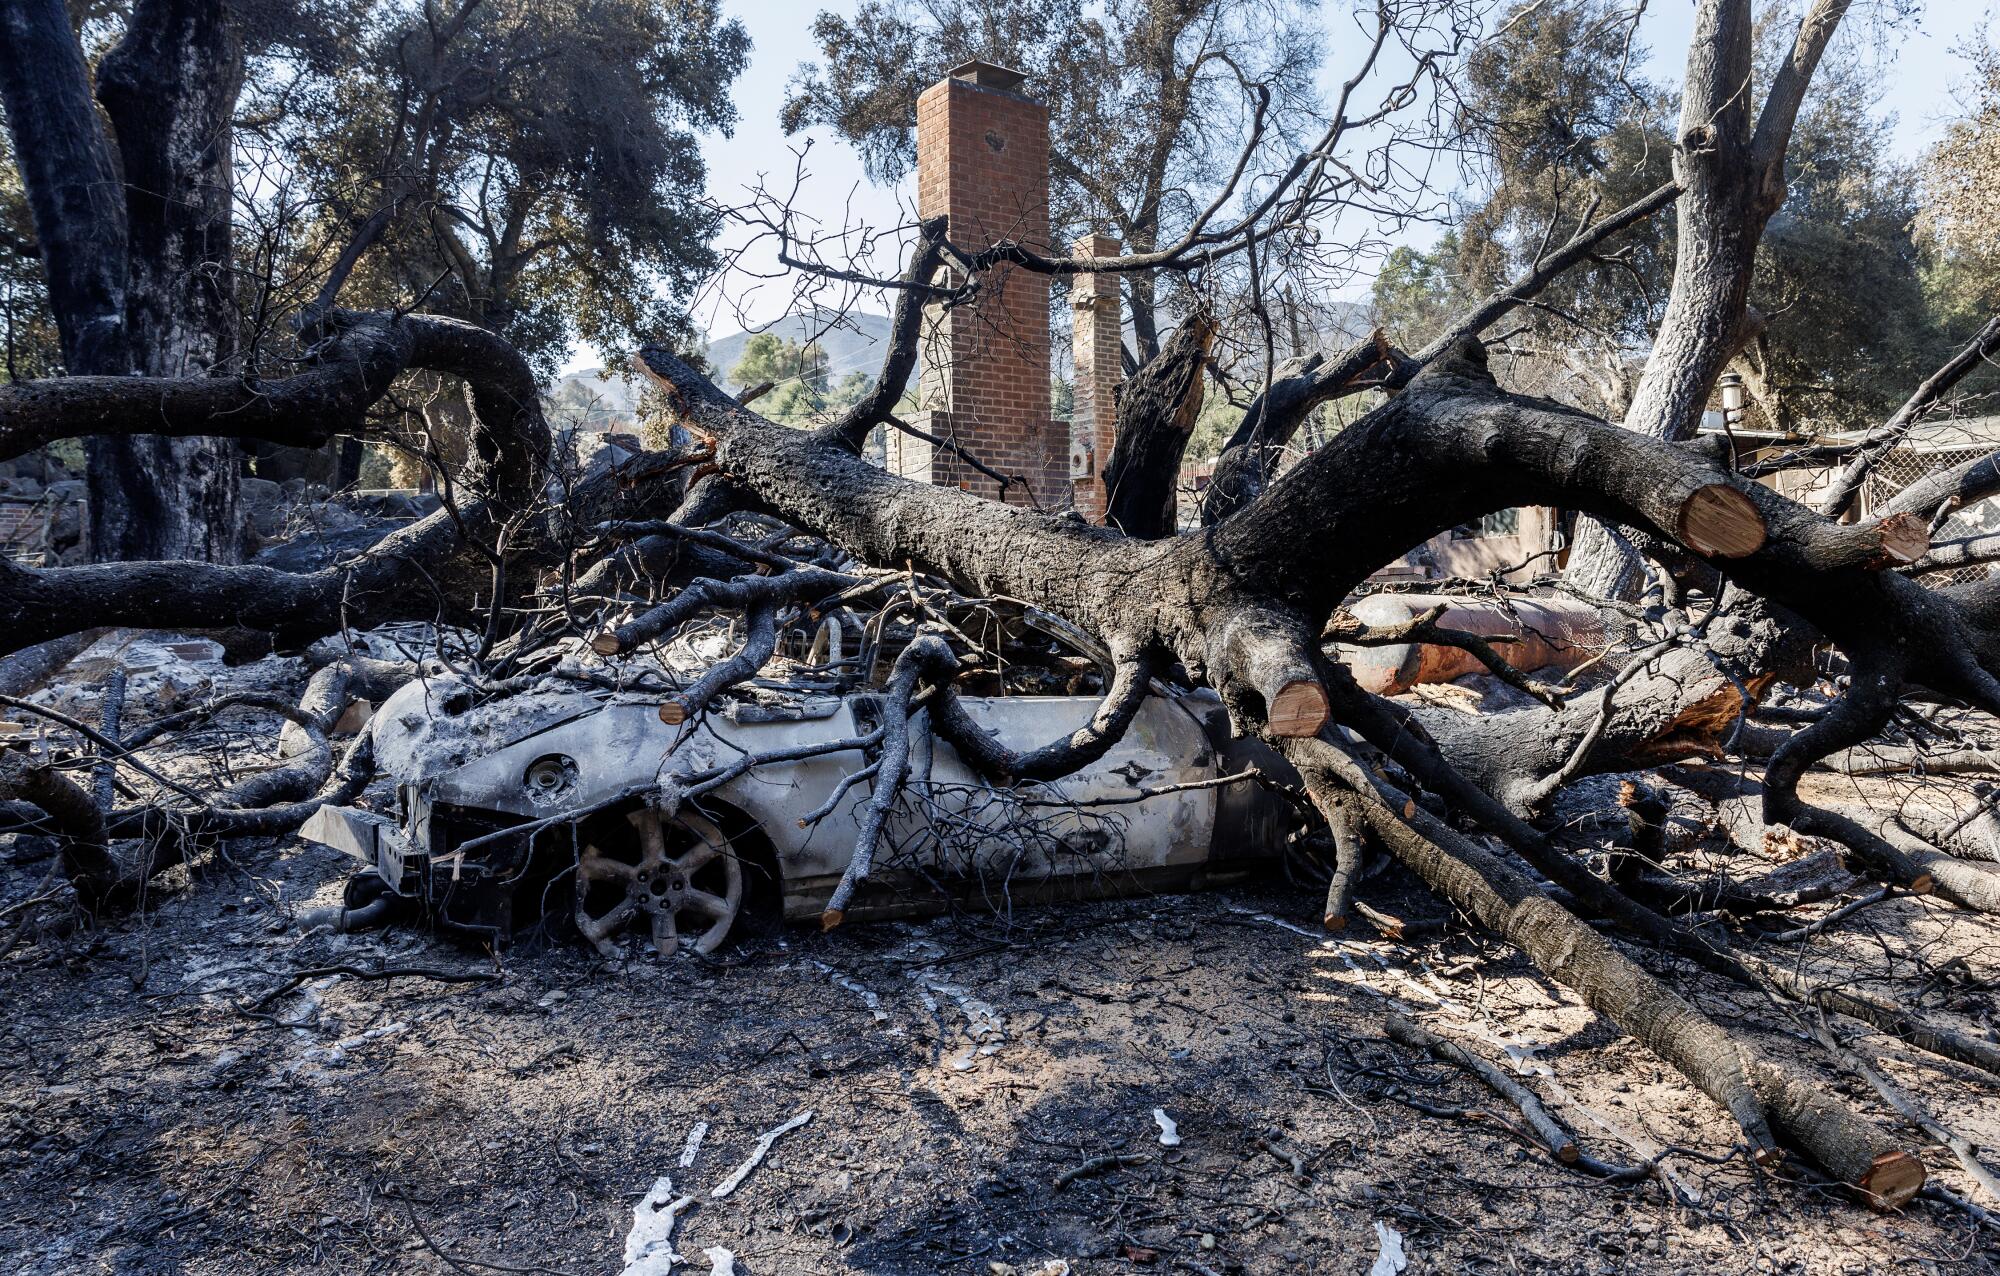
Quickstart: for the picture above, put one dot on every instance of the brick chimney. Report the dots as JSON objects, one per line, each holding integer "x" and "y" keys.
{"x": 983, "y": 160}
{"x": 1095, "y": 323}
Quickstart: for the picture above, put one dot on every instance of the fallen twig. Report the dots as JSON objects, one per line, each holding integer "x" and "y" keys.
{"x": 1548, "y": 1130}
{"x": 1099, "y": 1164}
{"x": 298, "y": 977}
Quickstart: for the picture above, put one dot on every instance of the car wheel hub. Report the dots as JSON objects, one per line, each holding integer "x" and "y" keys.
{"x": 685, "y": 881}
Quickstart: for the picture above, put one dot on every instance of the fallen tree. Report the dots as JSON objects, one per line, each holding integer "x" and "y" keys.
{"x": 526, "y": 554}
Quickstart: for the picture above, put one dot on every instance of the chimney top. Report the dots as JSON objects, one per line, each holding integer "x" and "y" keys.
{"x": 988, "y": 76}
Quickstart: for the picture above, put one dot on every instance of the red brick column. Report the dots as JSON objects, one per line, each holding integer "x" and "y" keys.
{"x": 1095, "y": 321}
{"x": 983, "y": 160}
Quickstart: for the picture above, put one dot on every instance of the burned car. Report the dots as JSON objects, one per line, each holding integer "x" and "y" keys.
{"x": 573, "y": 802}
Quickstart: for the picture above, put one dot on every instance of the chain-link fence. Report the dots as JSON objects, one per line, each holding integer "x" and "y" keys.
{"x": 1905, "y": 466}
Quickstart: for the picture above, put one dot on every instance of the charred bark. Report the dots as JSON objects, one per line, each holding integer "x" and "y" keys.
{"x": 1245, "y": 466}
{"x": 169, "y": 88}
{"x": 144, "y": 284}
{"x": 1157, "y": 410}
{"x": 71, "y": 180}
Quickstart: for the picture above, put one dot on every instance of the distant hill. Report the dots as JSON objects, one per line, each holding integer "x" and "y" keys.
{"x": 853, "y": 341}
{"x": 1351, "y": 319}
{"x": 614, "y": 394}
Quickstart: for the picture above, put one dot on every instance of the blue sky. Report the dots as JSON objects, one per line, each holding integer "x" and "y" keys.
{"x": 1924, "y": 73}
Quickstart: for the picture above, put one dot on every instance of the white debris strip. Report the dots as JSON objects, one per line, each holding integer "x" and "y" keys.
{"x": 983, "y": 1024}
{"x": 1389, "y": 1256}
{"x": 757, "y": 1155}
{"x": 848, "y": 983}
{"x": 721, "y": 1262}
{"x": 1279, "y": 922}
{"x": 693, "y": 1144}
{"x": 1170, "y": 1131}
{"x": 649, "y": 1246}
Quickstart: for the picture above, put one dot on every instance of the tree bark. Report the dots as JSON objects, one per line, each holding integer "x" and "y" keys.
{"x": 71, "y": 181}
{"x": 1157, "y": 410}
{"x": 169, "y": 88}
{"x": 1731, "y": 170}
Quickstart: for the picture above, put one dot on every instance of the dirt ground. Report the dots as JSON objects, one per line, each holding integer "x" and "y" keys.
{"x": 163, "y": 1113}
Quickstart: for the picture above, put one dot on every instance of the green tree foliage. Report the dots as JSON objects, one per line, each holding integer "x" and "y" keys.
{"x": 1218, "y": 420}
{"x": 1839, "y": 276}
{"x": 1415, "y": 291}
{"x": 537, "y": 159}
{"x": 27, "y": 328}
{"x": 1146, "y": 112}
{"x": 798, "y": 377}
{"x": 1960, "y": 214}
{"x": 1554, "y": 118}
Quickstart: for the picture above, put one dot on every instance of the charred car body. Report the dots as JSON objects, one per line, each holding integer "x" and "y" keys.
{"x": 576, "y": 801}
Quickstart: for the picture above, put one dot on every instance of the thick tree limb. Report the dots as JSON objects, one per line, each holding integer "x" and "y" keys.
{"x": 1243, "y": 468}
{"x": 1130, "y": 684}
{"x": 905, "y": 330}
{"x": 1759, "y": 1095}
{"x": 356, "y": 368}
{"x": 891, "y": 769}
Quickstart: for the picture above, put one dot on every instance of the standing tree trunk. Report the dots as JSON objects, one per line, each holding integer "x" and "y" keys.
{"x": 71, "y": 181}
{"x": 170, "y": 89}
{"x": 1730, "y": 164}
{"x": 144, "y": 285}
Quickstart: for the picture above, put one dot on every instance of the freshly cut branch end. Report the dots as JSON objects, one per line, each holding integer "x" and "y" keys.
{"x": 831, "y": 918}
{"x": 1876, "y": 1164}
{"x": 606, "y": 644}
{"x": 1893, "y": 1179}
{"x": 1903, "y": 539}
{"x": 1299, "y": 710}
{"x": 673, "y": 713}
{"x": 1721, "y": 522}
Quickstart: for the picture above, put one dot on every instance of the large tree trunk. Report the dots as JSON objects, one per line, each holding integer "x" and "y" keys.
{"x": 144, "y": 285}
{"x": 170, "y": 89}
{"x": 1730, "y": 164}
{"x": 71, "y": 181}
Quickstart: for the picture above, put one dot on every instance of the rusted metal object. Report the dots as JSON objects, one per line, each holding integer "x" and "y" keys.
{"x": 1544, "y": 633}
